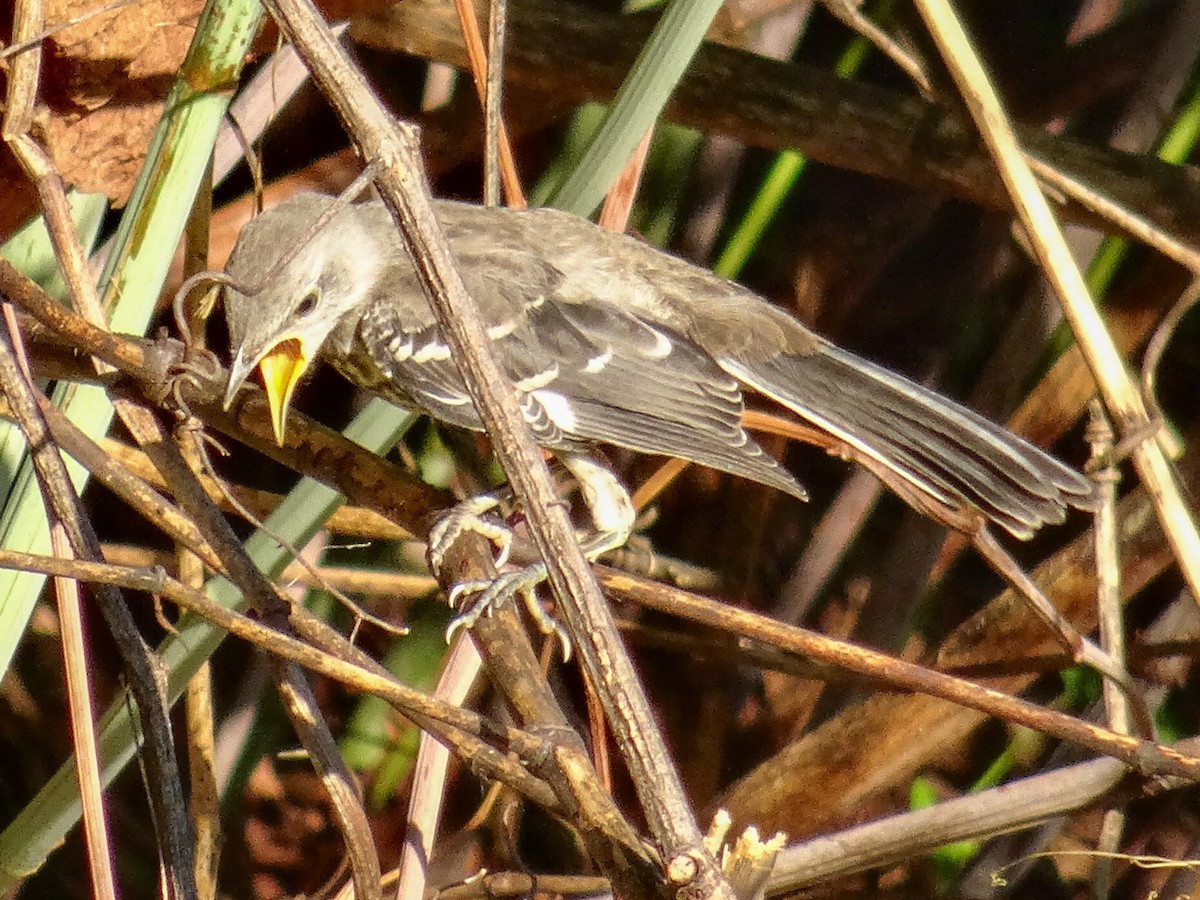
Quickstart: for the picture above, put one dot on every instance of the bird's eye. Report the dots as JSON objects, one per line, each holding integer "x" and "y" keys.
{"x": 308, "y": 303}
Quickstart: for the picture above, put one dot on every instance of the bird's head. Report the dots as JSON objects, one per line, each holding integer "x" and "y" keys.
{"x": 281, "y": 328}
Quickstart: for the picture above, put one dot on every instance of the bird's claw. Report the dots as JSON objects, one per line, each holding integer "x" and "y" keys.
{"x": 470, "y": 516}
{"x": 475, "y": 515}
{"x": 488, "y": 595}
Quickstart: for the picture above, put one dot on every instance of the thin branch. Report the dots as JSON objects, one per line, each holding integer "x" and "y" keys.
{"x": 1144, "y": 756}
{"x": 461, "y": 729}
{"x": 166, "y": 789}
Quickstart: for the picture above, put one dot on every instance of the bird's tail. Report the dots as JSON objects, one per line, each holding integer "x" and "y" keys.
{"x": 954, "y": 454}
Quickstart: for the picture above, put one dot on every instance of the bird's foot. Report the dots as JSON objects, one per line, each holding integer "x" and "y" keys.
{"x": 481, "y": 597}
{"x": 612, "y": 516}
{"x": 470, "y": 516}
{"x": 475, "y": 516}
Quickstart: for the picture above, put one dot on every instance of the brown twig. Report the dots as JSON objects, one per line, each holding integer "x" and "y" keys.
{"x": 166, "y": 795}
{"x": 1112, "y": 635}
{"x": 465, "y": 731}
{"x": 976, "y": 817}
{"x": 480, "y": 66}
{"x": 1145, "y": 756}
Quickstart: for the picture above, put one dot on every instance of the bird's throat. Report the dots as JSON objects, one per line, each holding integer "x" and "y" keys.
{"x": 282, "y": 369}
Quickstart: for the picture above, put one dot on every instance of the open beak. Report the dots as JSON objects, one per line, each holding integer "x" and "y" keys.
{"x": 282, "y": 368}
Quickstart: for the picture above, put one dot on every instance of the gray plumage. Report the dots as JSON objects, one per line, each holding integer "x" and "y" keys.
{"x": 609, "y": 340}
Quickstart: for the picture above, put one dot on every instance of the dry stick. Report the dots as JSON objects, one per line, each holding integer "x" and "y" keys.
{"x": 459, "y": 672}
{"x": 429, "y": 713}
{"x": 524, "y": 688}
{"x": 491, "y": 885}
{"x": 615, "y": 845}
{"x": 312, "y": 729}
{"x": 1145, "y": 756}
{"x": 339, "y": 783}
{"x": 618, "y": 203}
{"x": 80, "y": 699}
{"x": 1082, "y": 650}
{"x": 461, "y": 729}
{"x": 614, "y": 216}
{"x": 1108, "y": 564}
{"x": 298, "y": 698}
{"x": 82, "y": 716}
{"x": 1157, "y": 346}
{"x": 481, "y": 74}
{"x": 850, "y": 14}
{"x": 405, "y": 192}
{"x": 202, "y": 765}
{"x": 145, "y": 680}
{"x": 138, "y": 495}
{"x": 21, "y": 95}
{"x": 1112, "y": 636}
{"x": 1128, "y": 219}
{"x": 20, "y": 100}
{"x": 521, "y": 676}
{"x": 493, "y": 104}
{"x": 380, "y": 584}
{"x": 349, "y": 521}
{"x": 522, "y": 683}
{"x": 1120, "y": 395}
{"x": 516, "y": 671}
{"x": 198, "y": 695}
{"x": 1021, "y": 804}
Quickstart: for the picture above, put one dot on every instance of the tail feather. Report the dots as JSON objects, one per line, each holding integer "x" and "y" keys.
{"x": 945, "y": 449}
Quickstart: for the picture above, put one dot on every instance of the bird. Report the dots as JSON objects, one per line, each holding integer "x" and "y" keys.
{"x": 607, "y": 340}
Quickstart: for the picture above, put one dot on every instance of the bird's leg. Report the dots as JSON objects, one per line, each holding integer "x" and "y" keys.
{"x": 612, "y": 515}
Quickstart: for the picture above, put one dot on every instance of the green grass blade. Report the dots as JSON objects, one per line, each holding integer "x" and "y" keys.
{"x": 638, "y": 103}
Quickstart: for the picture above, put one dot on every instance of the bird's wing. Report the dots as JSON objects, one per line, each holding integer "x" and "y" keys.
{"x": 677, "y": 404}
{"x": 624, "y": 381}
{"x": 583, "y": 373}
{"x": 412, "y": 363}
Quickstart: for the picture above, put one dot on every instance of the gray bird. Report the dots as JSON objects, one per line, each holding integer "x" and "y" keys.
{"x": 606, "y": 340}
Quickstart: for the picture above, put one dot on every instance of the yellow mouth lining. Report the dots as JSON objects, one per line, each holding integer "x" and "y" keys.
{"x": 282, "y": 369}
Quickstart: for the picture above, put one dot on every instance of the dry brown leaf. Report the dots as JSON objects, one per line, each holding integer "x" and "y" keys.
{"x": 104, "y": 82}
